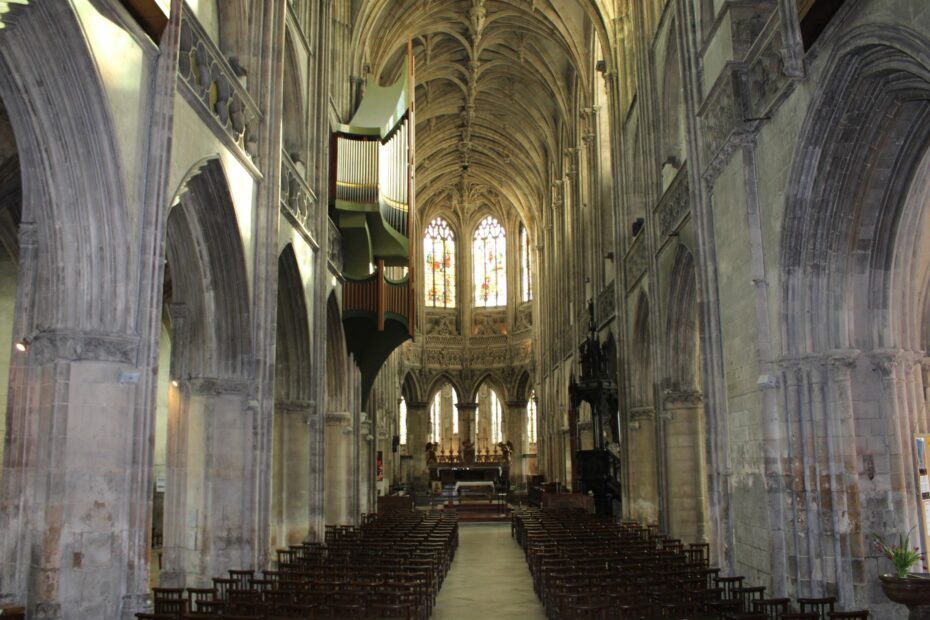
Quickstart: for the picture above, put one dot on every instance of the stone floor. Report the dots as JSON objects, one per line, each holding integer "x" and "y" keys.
{"x": 489, "y": 579}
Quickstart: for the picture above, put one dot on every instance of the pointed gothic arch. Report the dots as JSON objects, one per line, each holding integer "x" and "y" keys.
{"x": 208, "y": 279}
{"x": 855, "y": 263}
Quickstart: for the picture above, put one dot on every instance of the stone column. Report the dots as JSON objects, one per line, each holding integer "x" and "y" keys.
{"x": 291, "y": 470}
{"x": 340, "y": 469}
{"x": 211, "y": 481}
{"x": 317, "y": 474}
{"x": 16, "y": 473}
{"x": 644, "y": 485}
{"x": 686, "y": 462}
{"x": 516, "y": 432}
{"x": 69, "y": 477}
{"x": 366, "y": 461}
{"x": 417, "y": 436}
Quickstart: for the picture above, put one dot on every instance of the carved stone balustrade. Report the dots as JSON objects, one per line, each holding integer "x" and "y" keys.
{"x": 215, "y": 90}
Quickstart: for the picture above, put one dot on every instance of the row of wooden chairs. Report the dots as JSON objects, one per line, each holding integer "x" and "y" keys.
{"x": 589, "y": 568}
{"x": 391, "y": 566}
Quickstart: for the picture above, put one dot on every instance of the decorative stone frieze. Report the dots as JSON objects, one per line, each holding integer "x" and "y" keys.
{"x": 766, "y": 79}
{"x": 523, "y": 320}
{"x": 748, "y": 20}
{"x": 489, "y": 323}
{"x": 442, "y": 358}
{"x": 335, "y": 248}
{"x": 298, "y": 201}
{"x": 723, "y": 120}
{"x": 688, "y": 399}
{"x": 339, "y": 418}
{"x": 636, "y": 261}
{"x": 488, "y": 358}
{"x": 62, "y": 345}
{"x": 675, "y": 204}
{"x": 606, "y": 304}
{"x": 440, "y": 323}
{"x": 215, "y": 89}
{"x": 211, "y": 386}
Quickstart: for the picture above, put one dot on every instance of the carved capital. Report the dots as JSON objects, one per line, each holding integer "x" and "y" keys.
{"x": 683, "y": 399}
{"x": 642, "y": 413}
{"x": 338, "y": 418}
{"x": 893, "y": 362}
{"x": 65, "y": 345}
{"x": 842, "y": 359}
{"x": 211, "y": 386}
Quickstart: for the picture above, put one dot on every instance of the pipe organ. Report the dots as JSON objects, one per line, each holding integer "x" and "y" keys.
{"x": 375, "y": 172}
{"x": 372, "y": 203}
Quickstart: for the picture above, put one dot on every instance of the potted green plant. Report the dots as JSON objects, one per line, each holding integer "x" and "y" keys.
{"x": 905, "y": 587}
{"x": 900, "y": 553}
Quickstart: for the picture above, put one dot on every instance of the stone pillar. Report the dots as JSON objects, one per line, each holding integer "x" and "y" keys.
{"x": 68, "y": 485}
{"x": 417, "y": 436}
{"x": 340, "y": 469}
{"x": 291, "y": 471}
{"x": 687, "y": 466}
{"x": 317, "y": 474}
{"x": 211, "y": 481}
{"x": 16, "y": 473}
{"x": 644, "y": 485}
{"x": 515, "y": 434}
{"x": 366, "y": 462}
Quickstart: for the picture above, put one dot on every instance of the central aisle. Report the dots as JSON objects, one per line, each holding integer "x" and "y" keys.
{"x": 489, "y": 579}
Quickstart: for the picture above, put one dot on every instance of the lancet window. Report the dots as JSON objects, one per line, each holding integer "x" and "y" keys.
{"x": 439, "y": 274}
{"x": 526, "y": 286}
{"x": 531, "y": 418}
{"x": 402, "y": 422}
{"x": 435, "y": 418}
{"x": 496, "y": 418}
{"x": 490, "y": 264}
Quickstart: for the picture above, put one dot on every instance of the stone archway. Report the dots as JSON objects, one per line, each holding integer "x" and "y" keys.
{"x": 342, "y": 426}
{"x": 76, "y": 307}
{"x": 211, "y": 475}
{"x": 854, "y": 260}
{"x": 643, "y": 492}
{"x": 685, "y": 459}
{"x": 294, "y": 419}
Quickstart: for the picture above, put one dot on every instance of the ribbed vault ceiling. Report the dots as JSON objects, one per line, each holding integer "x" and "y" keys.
{"x": 497, "y": 81}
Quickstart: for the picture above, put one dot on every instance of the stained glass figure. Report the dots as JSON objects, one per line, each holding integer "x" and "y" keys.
{"x": 490, "y": 264}
{"x": 439, "y": 272}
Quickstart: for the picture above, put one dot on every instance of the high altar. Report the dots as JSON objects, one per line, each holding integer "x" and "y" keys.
{"x": 469, "y": 464}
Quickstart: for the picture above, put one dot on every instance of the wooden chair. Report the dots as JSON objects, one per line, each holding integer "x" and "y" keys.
{"x": 819, "y": 606}
{"x": 771, "y": 608}
{"x": 849, "y": 615}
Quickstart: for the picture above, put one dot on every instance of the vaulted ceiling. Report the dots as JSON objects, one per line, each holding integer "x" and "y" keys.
{"x": 498, "y": 84}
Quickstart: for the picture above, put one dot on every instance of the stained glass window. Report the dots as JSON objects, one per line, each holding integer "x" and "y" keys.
{"x": 402, "y": 424}
{"x": 435, "y": 418}
{"x": 496, "y": 418}
{"x": 531, "y": 418}
{"x": 439, "y": 274}
{"x": 455, "y": 413}
{"x": 526, "y": 287}
{"x": 490, "y": 265}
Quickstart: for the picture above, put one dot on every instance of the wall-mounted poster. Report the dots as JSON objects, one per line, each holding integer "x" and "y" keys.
{"x": 380, "y": 465}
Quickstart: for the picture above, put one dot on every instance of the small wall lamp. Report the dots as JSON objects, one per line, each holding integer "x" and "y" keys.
{"x": 23, "y": 345}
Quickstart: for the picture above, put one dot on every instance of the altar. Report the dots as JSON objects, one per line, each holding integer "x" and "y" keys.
{"x": 475, "y": 487}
